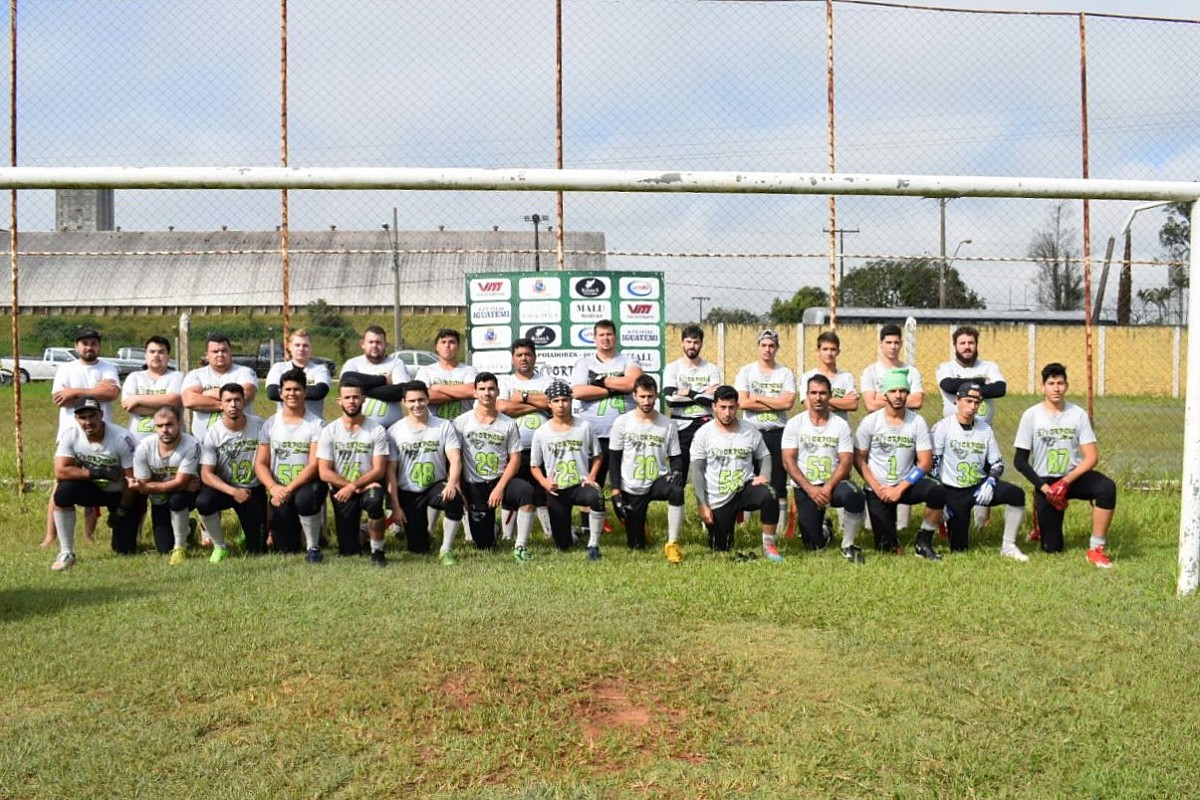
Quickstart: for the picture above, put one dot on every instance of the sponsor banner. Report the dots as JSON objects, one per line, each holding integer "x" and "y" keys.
{"x": 640, "y": 289}
{"x": 491, "y": 313}
{"x": 559, "y": 363}
{"x": 540, "y": 311}
{"x": 634, "y": 337}
{"x": 539, "y": 288}
{"x": 640, "y": 311}
{"x": 650, "y": 360}
{"x": 486, "y": 288}
{"x": 497, "y": 361}
{"x": 590, "y": 310}
{"x": 491, "y": 337}
{"x": 543, "y": 335}
{"x": 592, "y": 287}
{"x": 582, "y": 336}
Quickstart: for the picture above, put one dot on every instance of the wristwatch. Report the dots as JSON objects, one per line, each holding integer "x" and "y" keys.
{"x": 524, "y": 397}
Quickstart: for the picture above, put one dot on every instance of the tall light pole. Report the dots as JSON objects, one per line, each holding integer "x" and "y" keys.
{"x": 537, "y": 220}
{"x": 393, "y": 241}
{"x": 942, "y": 273}
{"x": 702, "y": 300}
{"x": 841, "y": 234}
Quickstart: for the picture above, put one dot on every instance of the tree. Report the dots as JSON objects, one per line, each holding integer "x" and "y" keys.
{"x": 732, "y": 316}
{"x": 326, "y": 322}
{"x": 791, "y": 312}
{"x": 905, "y": 283}
{"x": 1060, "y": 277}
{"x": 1175, "y": 237}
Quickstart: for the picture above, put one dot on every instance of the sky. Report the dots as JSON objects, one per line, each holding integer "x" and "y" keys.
{"x": 648, "y": 84}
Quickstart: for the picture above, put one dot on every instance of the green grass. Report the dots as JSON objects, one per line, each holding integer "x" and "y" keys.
{"x": 269, "y": 677}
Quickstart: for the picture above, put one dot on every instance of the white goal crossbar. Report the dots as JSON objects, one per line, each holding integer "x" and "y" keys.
{"x": 815, "y": 183}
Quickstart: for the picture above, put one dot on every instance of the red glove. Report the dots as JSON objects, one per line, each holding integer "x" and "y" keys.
{"x": 1057, "y": 496}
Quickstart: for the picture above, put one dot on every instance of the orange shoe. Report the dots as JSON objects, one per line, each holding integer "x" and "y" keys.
{"x": 1098, "y": 557}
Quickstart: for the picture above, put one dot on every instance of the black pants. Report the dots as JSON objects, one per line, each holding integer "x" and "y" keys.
{"x": 639, "y": 506}
{"x": 883, "y": 515}
{"x": 773, "y": 439}
{"x": 601, "y": 478}
{"x": 482, "y": 518}
{"x": 160, "y": 518}
{"x": 525, "y": 473}
{"x": 812, "y": 518}
{"x": 1094, "y": 486}
{"x": 416, "y": 505}
{"x": 252, "y": 514}
{"x": 125, "y": 521}
{"x": 306, "y": 501}
{"x": 686, "y": 435}
{"x": 959, "y": 503}
{"x": 559, "y": 506}
{"x": 749, "y": 498}
{"x": 346, "y": 517}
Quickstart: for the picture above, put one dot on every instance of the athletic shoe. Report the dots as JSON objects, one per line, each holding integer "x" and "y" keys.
{"x": 1013, "y": 552}
{"x": 64, "y": 561}
{"x": 219, "y": 554}
{"x": 607, "y": 526}
{"x": 1035, "y": 534}
{"x": 521, "y": 555}
{"x": 1097, "y": 556}
{"x": 447, "y": 558}
{"x": 314, "y": 556}
{"x": 854, "y": 554}
{"x": 178, "y": 556}
{"x": 593, "y": 553}
{"x": 378, "y": 558}
{"x": 926, "y": 551}
{"x": 826, "y": 532}
{"x": 673, "y": 552}
{"x": 771, "y": 552}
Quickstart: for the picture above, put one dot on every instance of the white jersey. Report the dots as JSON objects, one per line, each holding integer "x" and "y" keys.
{"x": 963, "y": 456}
{"x": 486, "y": 446}
{"x": 115, "y": 449}
{"x": 982, "y": 372}
{"x": 149, "y": 464}
{"x": 817, "y": 447}
{"x": 78, "y": 374}
{"x": 290, "y": 443}
{"x": 352, "y": 453}
{"x": 776, "y": 382}
{"x": 647, "y": 449}
{"x": 681, "y": 374}
{"x": 873, "y": 375}
{"x": 892, "y": 451}
{"x": 603, "y": 412}
{"x": 729, "y": 459}
{"x": 437, "y": 375}
{"x": 144, "y": 383}
{"x": 1053, "y": 440}
{"x": 565, "y": 456}
{"x": 841, "y": 384}
{"x": 530, "y": 422}
{"x": 316, "y": 374}
{"x": 396, "y": 372}
{"x": 232, "y": 452}
{"x": 207, "y": 378}
{"x": 420, "y": 453}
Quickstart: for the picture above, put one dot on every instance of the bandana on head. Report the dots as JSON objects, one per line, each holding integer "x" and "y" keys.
{"x": 558, "y": 389}
{"x": 895, "y": 379}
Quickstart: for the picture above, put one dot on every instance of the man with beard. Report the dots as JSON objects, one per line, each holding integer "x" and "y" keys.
{"x": 523, "y": 397}
{"x": 688, "y": 384}
{"x": 381, "y": 375}
{"x": 166, "y": 469}
{"x": 203, "y": 387}
{"x": 227, "y": 474}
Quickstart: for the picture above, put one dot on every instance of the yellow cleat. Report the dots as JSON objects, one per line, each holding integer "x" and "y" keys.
{"x": 673, "y": 552}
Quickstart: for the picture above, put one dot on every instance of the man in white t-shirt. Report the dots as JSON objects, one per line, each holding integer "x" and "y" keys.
{"x": 381, "y": 375}
{"x": 202, "y": 387}
{"x": 451, "y": 383}
{"x": 688, "y": 384}
{"x": 844, "y": 397}
{"x": 227, "y": 454}
{"x": 300, "y": 357}
{"x": 766, "y": 393}
{"x": 166, "y": 469}
{"x": 523, "y": 397}
{"x": 891, "y": 340}
{"x": 152, "y": 388}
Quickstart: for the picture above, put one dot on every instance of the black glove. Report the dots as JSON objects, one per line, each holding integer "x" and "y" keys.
{"x": 620, "y": 507}
{"x": 596, "y": 380}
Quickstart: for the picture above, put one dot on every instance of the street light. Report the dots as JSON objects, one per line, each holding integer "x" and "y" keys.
{"x": 702, "y": 300}
{"x": 942, "y": 273}
{"x": 537, "y": 220}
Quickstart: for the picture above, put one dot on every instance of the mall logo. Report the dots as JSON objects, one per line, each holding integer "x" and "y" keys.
{"x": 640, "y": 336}
{"x": 497, "y": 313}
{"x": 583, "y": 311}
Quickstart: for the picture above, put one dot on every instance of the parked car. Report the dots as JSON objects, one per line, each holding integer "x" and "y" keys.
{"x": 40, "y": 369}
{"x": 416, "y": 358}
{"x": 261, "y": 363}
{"x": 137, "y": 355}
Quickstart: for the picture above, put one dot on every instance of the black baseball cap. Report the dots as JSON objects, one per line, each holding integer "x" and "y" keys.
{"x": 966, "y": 387}
{"x": 87, "y": 333}
{"x": 88, "y": 404}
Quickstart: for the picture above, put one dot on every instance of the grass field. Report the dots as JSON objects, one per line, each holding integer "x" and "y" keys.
{"x": 269, "y": 677}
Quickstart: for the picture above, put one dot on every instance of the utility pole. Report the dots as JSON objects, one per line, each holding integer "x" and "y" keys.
{"x": 393, "y": 240}
{"x": 841, "y": 234}
{"x": 702, "y": 300}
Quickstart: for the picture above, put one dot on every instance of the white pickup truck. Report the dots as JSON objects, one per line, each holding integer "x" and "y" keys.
{"x": 43, "y": 369}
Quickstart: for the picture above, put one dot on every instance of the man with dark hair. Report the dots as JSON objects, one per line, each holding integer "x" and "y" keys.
{"x": 891, "y": 340}
{"x": 688, "y": 384}
{"x": 352, "y": 458}
{"x": 844, "y": 397}
{"x": 731, "y": 472}
{"x": 893, "y": 453}
{"x": 451, "y": 383}
{"x": 300, "y": 357}
{"x": 203, "y": 387}
{"x": 818, "y": 451}
{"x": 227, "y": 455}
{"x": 1057, "y": 452}
{"x": 968, "y": 367}
{"x": 491, "y": 449}
{"x": 380, "y": 374}
{"x": 602, "y": 384}
{"x": 523, "y": 397}
{"x": 766, "y": 393}
{"x": 287, "y": 466}
{"x": 646, "y": 464}
{"x": 166, "y": 469}
{"x": 147, "y": 390}
{"x": 93, "y": 464}
{"x": 425, "y": 474}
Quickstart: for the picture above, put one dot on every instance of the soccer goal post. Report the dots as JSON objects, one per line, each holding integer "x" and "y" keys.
{"x": 573, "y": 180}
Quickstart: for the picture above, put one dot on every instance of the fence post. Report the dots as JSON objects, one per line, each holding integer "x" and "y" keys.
{"x": 1189, "y": 516}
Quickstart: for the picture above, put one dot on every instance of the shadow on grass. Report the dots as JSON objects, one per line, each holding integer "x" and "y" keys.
{"x": 26, "y": 602}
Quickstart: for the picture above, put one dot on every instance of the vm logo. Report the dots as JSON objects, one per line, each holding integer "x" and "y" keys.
{"x": 489, "y": 286}
{"x": 639, "y": 308}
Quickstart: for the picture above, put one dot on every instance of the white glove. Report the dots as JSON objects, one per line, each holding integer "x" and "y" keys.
{"x": 983, "y": 495}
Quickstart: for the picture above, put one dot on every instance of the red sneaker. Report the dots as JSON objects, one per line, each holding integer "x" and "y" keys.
{"x": 1098, "y": 557}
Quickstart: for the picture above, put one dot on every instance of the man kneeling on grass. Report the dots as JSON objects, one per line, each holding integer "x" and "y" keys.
{"x": 93, "y": 464}
{"x": 166, "y": 468}
{"x": 227, "y": 472}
